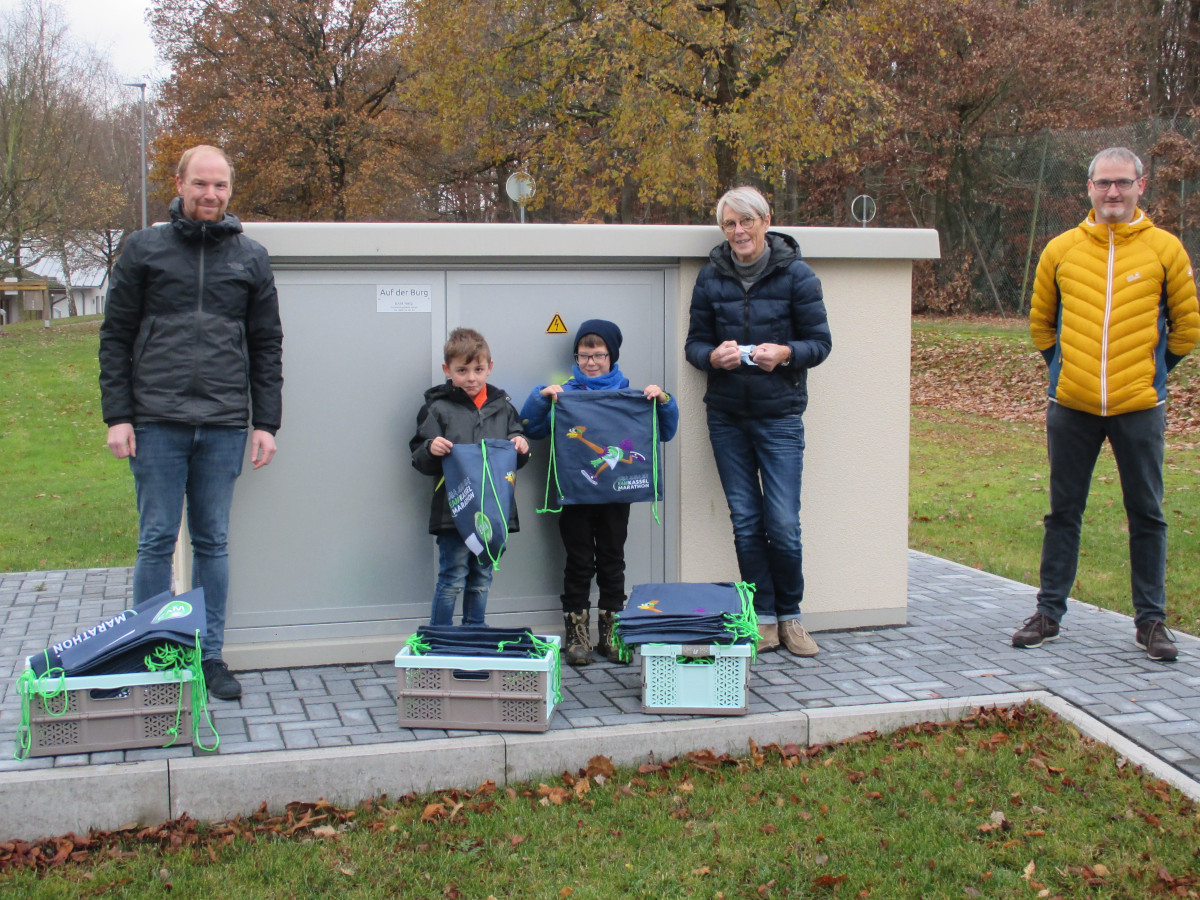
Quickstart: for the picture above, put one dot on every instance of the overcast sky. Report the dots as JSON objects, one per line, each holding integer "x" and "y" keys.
{"x": 116, "y": 28}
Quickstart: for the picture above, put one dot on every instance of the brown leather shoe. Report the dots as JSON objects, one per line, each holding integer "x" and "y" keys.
{"x": 796, "y": 639}
{"x": 1158, "y": 642}
{"x": 1037, "y": 629}
{"x": 768, "y": 637}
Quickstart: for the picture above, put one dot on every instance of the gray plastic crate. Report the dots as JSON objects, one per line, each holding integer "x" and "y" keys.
{"x": 141, "y": 714}
{"x": 478, "y": 693}
{"x": 716, "y": 685}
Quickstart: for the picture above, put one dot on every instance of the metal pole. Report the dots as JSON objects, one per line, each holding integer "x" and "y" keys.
{"x": 1037, "y": 200}
{"x": 142, "y": 85}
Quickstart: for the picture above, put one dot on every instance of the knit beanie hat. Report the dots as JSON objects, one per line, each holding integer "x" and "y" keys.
{"x": 606, "y": 331}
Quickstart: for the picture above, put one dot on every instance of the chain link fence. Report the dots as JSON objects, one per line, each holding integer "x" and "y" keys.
{"x": 1026, "y": 190}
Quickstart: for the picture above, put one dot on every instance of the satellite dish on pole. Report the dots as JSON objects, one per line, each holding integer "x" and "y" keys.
{"x": 519, "y": 188}
{"x": 862, "y": 208}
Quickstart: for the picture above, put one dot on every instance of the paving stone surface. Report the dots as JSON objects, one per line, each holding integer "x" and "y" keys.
{"x": 957, "y": 643}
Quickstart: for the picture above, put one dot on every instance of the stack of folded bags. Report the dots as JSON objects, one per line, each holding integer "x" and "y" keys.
{"x": 478, "y": 640}
{"x": 683, "y": 613}
{"x": 132, "y": 641}
{"x": 482, "y": 642}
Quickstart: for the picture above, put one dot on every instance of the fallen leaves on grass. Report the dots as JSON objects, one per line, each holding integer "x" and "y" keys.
{"x": 440, "y": 822}
{"x": 1003, "y": 377}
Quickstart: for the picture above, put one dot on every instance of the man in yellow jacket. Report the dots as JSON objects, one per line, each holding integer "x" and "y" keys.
{"x": 1113, "y": 310}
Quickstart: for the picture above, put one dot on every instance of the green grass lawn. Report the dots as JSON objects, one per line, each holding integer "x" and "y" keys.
{"x": 1009, "y": 804}
{"x": 978, "y": 476}
{"x": 67, "y": 503}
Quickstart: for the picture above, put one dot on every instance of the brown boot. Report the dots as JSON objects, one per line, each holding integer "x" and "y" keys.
{"x": 606, "y": 646}
{"x": 579, "y": 638}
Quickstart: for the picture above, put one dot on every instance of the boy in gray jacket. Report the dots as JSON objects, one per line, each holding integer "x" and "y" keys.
{"x": 465, "y": 409}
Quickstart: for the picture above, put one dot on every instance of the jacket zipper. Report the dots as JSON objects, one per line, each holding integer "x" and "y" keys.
{"x": 196, "y": 344}
{"x": 1108, "y": 296}
{"x": 200, "y": 294}
{"x": 746, "y": 340}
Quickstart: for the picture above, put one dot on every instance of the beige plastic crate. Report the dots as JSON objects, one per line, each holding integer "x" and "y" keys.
{"x": 473, "y": 692}
{"x": 141, "y": 714}
{"x": 717, "y": 685}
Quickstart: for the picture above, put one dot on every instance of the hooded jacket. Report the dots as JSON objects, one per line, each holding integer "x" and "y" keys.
{"x": 191, "y": 331}
{"x": 450, "y": 413}
{"x": 1113, "y": 310}
{"x": 784, "y": 306}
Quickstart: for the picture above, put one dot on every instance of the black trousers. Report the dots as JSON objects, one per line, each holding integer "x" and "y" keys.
{"x": 594, "y": 538}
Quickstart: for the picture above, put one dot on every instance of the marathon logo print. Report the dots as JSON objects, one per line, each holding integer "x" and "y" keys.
{"x": 632, "y": 483}
{"x": 459, "y": 496}
{"x": 176, "y": 609}
{"x": 91, "y": 632}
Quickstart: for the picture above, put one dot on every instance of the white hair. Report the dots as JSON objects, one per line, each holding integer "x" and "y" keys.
{"x": 744, "y": 201}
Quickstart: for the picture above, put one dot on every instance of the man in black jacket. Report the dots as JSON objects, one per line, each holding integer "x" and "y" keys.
{"x": 190, "y": 347}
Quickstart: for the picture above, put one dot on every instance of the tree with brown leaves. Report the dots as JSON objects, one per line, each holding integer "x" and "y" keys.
{"x": 301, "y": 95}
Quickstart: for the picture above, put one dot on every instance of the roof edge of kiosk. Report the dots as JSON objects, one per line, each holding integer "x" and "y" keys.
{"x": 317, "y": 241}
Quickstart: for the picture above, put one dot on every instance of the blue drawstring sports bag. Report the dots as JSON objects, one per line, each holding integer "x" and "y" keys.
{"x": 120, "y": 644}
{"x": 603, "y": 449}
{"x": 480, "y": 479}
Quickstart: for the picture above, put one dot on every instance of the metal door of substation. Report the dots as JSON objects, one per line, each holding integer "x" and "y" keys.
{"x": 330, "y": 542}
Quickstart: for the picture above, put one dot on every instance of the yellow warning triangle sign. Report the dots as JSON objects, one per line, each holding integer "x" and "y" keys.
{"x": 556, "y": 326}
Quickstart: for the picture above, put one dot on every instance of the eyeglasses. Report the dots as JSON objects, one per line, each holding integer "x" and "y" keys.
{"x": 590, "y": 357}
{"x": 747, "y": 222}
{"x": 1123, "y": 184}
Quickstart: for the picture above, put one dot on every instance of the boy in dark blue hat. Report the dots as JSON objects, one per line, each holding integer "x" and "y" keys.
{"x": 593, "y": 534}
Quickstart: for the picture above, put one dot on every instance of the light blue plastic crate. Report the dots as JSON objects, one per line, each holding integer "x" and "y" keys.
{"x": 715, "y": 684}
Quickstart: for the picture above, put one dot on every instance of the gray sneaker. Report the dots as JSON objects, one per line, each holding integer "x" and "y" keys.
{"x": 1037, "y": 629}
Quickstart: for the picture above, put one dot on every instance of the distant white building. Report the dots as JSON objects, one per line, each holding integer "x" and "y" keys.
{"x": 89, "y": 288}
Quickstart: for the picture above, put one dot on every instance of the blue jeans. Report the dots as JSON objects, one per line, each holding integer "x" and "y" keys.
{"x": 201, "y": 463}
{"x": 760, "y": 462}
{"x": 459, "y": 567}
{"x": 1074, "y": 440}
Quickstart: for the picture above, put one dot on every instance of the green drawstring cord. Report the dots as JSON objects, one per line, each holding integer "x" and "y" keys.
{"x": 48, "y": 685}
{"x": 552, "y": 470}
{"x": 654, "y": 458}
{"x": 489, "y": 481}
{"x": 418, "y": 644}
{"x": 624, "y": 652}
{"x": 542, "y": 649}
{"x": 175, "y": 660}
{"x": 545, "y": 648}
{"x": 745, "y": 624}
{"x": 501, "y": 645}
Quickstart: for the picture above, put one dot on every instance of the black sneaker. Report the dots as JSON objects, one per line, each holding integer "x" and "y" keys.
{"x": 1158, "y": 642}
{"x": 1037, "y": 629}
{"x": 220, "y": 683}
